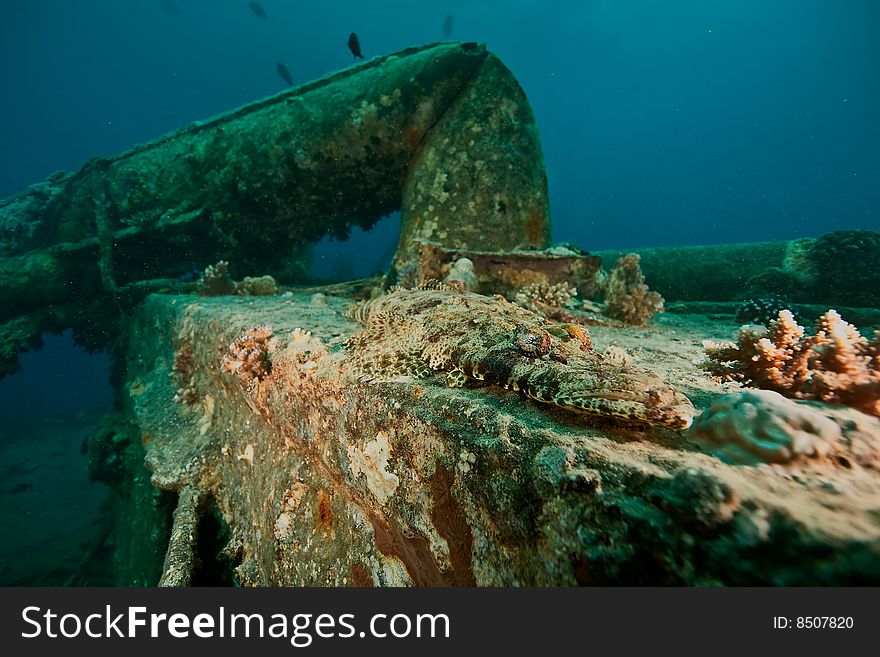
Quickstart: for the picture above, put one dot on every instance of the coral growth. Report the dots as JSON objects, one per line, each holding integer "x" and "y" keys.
{"x": 836, "y": 365}
{"x": 627, "y": 297}
{"x": 838, "y": 268}
{"x": 539, "y": 296}
{"x": 248, "y": 355}
{"x": 553, "y": 301}
{"x": 257, "y": 286}
{"x": 761, "y": 426}
{"x": 217, "y": 281}
{"x": 462, "y": 274}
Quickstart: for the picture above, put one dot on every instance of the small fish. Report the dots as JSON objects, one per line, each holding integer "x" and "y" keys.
{"x": 447, "y": 26}
{"x": 284, "y": 73}
{"x": 84, "y": 446}
{"x": 20, "y": 488}
{"x": 257, "y": 8}
{"x": 171, "y": 7}
{"x": 354, "y": 45}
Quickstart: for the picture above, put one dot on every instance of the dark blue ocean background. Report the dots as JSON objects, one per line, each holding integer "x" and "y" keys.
{"x": 663, "y": 123}
{"x": 666, "y": 122}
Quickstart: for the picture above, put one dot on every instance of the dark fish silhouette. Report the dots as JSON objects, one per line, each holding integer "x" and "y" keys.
{"x": 189, "y": 276}
{"x": 257, "y": 8}
{"x": 284, "y": 73}
{"x": 171, "y": 7}
{"x": 20, "y": 488}
{"x": 354, "y": 45}
{"x": 447, "y": 26}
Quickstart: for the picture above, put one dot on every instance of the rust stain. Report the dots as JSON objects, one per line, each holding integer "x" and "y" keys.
{"x": 325, "y": 516}
{"x": 412, "y": 137}
{"x": 360, "y": 576}
{"x": 451, "y": 524}
{"x": 535, "y": 228}
{"x": 414, "y": 551}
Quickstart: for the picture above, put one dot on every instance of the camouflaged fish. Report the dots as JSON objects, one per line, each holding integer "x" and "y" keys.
{"x": 475, "y": 338}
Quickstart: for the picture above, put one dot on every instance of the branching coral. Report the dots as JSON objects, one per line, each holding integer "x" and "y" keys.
{"x": 551, "y": 301}
{"x": 538, "y": 296}
{"x": 627, "y": 296}
{"x": 248, "y": 355}
{"x": 216, "y": 280}
{"x": 836, "y": 365}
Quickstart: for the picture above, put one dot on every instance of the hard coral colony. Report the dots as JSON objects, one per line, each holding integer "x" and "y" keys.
{"x": 836, "y": 365}
{"x": 627, "y": 297}
{"x": 248, "y": 355}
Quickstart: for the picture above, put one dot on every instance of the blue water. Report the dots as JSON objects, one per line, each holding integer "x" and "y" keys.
{"x": 667, "y": 122}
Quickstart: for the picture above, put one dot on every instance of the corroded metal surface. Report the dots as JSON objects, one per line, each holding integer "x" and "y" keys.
{"x": 182, "y": 553}
{"x": 323, "y": 479}
{"x": 442, "y": 131}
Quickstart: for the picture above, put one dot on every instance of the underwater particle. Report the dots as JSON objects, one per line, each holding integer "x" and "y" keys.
{"x": 354, "y": 45}
{"x": 762, "y": 311}
{"x": 473, "y": 338}
{"x": 248, "y": 355}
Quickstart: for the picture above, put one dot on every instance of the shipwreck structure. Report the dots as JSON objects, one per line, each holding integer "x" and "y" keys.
{"x": 274, "y": 458}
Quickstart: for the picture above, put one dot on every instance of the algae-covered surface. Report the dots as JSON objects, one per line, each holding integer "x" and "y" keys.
{"x": 320, "y": 478}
